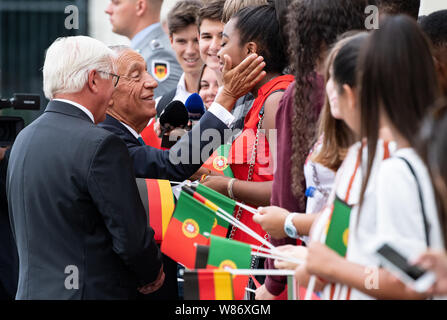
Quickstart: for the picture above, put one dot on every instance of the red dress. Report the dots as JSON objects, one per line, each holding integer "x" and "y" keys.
{"x": 241, "y": 153}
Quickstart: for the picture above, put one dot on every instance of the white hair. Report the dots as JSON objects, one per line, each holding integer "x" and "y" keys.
{"x": 69, "y": 60}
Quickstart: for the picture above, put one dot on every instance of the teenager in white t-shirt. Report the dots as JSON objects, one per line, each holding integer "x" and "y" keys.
{"x": 379, "y": 87}
{"x": 390, "y": 208}
{"x": 348, "y": 179}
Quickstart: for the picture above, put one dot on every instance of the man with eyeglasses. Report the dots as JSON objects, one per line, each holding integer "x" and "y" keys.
{"x": 77, "y": 218}
{"x": 132, "y": 106}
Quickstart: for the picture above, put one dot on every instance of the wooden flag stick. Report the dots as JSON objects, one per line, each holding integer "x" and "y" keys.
{"x": 175, "y": 182}
{"x": 230, "y": 219}
{"x": 310, "y": 288}
{"x": 233, "y": 221}
{"x": 313, "y": 279}
{"x": 260, "y": 272}
{"x": 226, "y": 216}
{"x": 239, "y": 204}
{"x": 247, "y": 208}
{"x": 271, "y": 256}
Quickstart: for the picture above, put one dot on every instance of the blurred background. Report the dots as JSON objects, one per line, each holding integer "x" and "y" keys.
{"x": 28, "y": 27}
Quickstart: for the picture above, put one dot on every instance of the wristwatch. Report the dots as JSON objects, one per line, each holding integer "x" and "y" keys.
{"x": 289, "y": 228}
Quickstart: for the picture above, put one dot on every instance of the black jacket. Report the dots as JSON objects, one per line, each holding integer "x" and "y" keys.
{"x": 153, "y": 163}
{"x": 74, "y": 202}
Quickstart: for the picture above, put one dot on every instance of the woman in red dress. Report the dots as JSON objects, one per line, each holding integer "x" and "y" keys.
{"x": 254, "y": 30}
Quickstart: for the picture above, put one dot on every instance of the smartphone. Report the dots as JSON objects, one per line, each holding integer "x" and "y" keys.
{"x": 413, "y": 276}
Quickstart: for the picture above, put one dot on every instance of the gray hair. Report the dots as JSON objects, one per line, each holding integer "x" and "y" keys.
{"x": 69, "y": 60}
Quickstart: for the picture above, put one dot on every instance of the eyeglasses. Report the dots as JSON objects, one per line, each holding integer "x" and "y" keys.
{"x": 115, "y": 76}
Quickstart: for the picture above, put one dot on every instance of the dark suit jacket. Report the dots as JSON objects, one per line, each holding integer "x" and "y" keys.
{"x": 153, "y": 163}
{"x": 73, "y": 201}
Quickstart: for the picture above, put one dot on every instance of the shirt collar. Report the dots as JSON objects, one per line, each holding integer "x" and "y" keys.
{"x": 77, "y": 105}
{"x": 181, "y": 93}
{"x": 181, "y": 86}
{"x": 142, "y": 34}
{"x": 131, "y": 130}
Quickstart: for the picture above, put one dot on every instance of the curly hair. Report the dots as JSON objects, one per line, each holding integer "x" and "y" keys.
{"x": 313, "y": 26}
{"x": 395, "y": 7}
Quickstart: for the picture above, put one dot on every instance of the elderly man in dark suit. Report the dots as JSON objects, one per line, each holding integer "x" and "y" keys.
{"x": 132, "y": 106}
{"x": 78, "y": 221}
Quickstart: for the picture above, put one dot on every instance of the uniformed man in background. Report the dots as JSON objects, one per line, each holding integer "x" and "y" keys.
{"x": 139, "y": 20}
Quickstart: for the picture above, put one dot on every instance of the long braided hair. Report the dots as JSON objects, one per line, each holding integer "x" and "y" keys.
{"x": 313, "y": 26}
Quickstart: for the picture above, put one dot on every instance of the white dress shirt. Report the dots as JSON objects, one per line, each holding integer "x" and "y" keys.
{"x": 77, "y": 105}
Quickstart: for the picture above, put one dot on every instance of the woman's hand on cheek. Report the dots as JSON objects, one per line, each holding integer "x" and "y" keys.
{"x": 240, "y": 80}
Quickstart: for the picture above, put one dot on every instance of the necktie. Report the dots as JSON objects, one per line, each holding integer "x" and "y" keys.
{"x": 141, "y": 141}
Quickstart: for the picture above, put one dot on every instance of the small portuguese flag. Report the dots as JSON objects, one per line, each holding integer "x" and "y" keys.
{"x": 338, "y": 229}
{"x": 233, "y": 254}
{"x": 207, "y": 285}
{"x": 158, "y": 200}
{"x": 191, "y": 220}
{"x": 218, "y": 162}
{"x": 223, "y": 202}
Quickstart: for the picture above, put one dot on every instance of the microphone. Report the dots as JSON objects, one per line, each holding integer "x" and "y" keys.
{"x": 195, "y": 107}
{"x": 174, "y": 115}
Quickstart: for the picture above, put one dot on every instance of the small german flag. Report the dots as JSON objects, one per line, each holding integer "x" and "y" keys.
{"x": 207, "y": 285}
{"x": 189, "y": 224}
{"x": 158, "y": 200}
{"x": 218, "y": 162}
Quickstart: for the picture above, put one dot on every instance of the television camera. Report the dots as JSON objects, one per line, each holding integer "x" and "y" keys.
{"x": 11, "y": 126}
